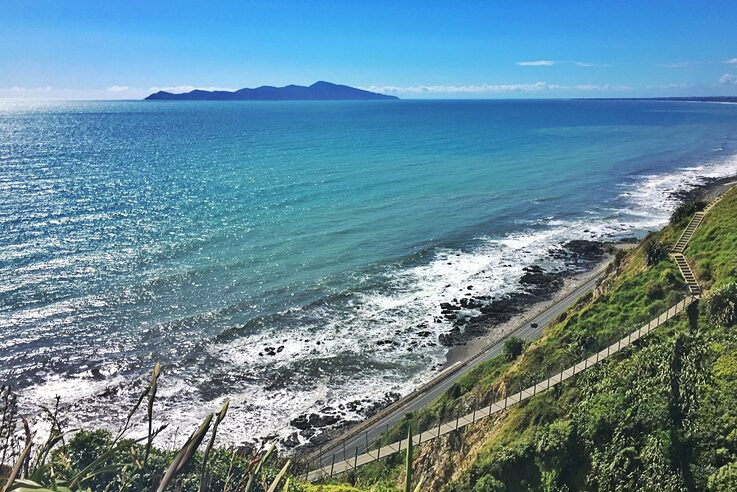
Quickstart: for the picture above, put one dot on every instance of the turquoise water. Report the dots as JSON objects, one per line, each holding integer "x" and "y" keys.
{"x": 199, "y": 234}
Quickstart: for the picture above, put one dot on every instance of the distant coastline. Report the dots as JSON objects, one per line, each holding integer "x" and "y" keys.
{"x": 711, "y": 99}
{"x": 319, "y": 91}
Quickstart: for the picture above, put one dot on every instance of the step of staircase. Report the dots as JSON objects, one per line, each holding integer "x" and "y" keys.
{"x": 688, "y": 275}
{"x": 693, "y": 224}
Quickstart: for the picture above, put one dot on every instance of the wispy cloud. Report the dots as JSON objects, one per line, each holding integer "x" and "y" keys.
{"x": 598, "y": 87}
{"x": 189, "y": 88}
{"x": 728, "y": 79}
{"x": 680, "y": 64}
{"x": 550, "y": 63}
{"x": 493, "y": 88}
{"x": 26, "y": 90}
{"x": 692, "y": 63}
{"x": 461, "y": 89}
{"x": 170, "y": 88}
{"x": 115, "y": 91}
{"x": 16, "y": 92}
{"x": 675, "y": 85}
{"x": 536, "y": 63}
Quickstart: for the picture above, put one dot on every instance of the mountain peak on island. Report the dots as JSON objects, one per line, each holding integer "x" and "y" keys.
{"x": 319, "y": 91}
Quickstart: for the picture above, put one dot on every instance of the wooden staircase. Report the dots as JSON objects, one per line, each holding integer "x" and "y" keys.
{"x": 690, "y": 229}
{"x": 688, "y": 275}
{"x": 714, "y": 202}
{"x": 677, "y": 251}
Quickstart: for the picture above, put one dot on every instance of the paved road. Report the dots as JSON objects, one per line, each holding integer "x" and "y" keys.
{"x": 344, "y": 446}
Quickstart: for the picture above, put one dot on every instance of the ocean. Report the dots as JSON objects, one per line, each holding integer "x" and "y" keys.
{"x": 260, "y": 250}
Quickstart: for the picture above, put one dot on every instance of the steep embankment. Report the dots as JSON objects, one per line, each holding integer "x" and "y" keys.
{"x": 661, "y": 415}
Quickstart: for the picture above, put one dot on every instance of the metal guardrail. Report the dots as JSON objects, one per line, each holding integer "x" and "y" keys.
{"x": 363, "y": 455}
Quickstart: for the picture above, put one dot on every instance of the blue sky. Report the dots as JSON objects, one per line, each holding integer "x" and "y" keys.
{"x": 126, "y": 49}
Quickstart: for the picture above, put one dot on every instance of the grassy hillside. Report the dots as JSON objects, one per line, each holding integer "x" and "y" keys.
{"x": 661, "y": 415}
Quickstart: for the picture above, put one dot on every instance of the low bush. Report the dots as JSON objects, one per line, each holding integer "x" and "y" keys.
{"x": 686, "y": 210}
{"x": 655, "y": 251}
{"x": 513, "y": 348}
{"x": 721, "y": 306}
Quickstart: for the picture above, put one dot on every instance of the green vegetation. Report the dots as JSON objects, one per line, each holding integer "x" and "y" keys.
{"x": 99, "y": 461}
{"x": 685, "y": 211}
{"x": 721, "y": 306}
{"x": 513, "y": 348}
{"x": 655, "y": 251}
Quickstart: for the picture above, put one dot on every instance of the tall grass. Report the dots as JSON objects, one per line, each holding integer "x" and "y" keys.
{"x": 99, "y": 461}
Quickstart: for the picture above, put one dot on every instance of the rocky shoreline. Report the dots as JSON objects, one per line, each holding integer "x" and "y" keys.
{"x": 708, "y": 190}
{"x": 470, "y": 317}
{"x": 473, "y": 316}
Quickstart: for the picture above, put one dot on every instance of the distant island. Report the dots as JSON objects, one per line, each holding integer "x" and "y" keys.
{"x": 319, "y": 91}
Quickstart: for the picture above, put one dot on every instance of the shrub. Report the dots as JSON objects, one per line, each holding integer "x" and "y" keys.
{"x": 725, "y": 478}
{"x": 513, "y": 348}
{"x": 488, "y": 483}
{"x": 619, "y": 257}
{"x": 686, "y": 210}
{"x": 721, "y": 306}
{"x": 669, "y": 280}
{"x": 654, "y": 291}
{"x": 654, "y": 252}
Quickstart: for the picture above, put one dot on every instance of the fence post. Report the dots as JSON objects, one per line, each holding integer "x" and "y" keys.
{"x": 367, "y": 444}
{"x": 332, "y": 465}
{"x": 436, "y": 445}
{"x": 355, "y": 459}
